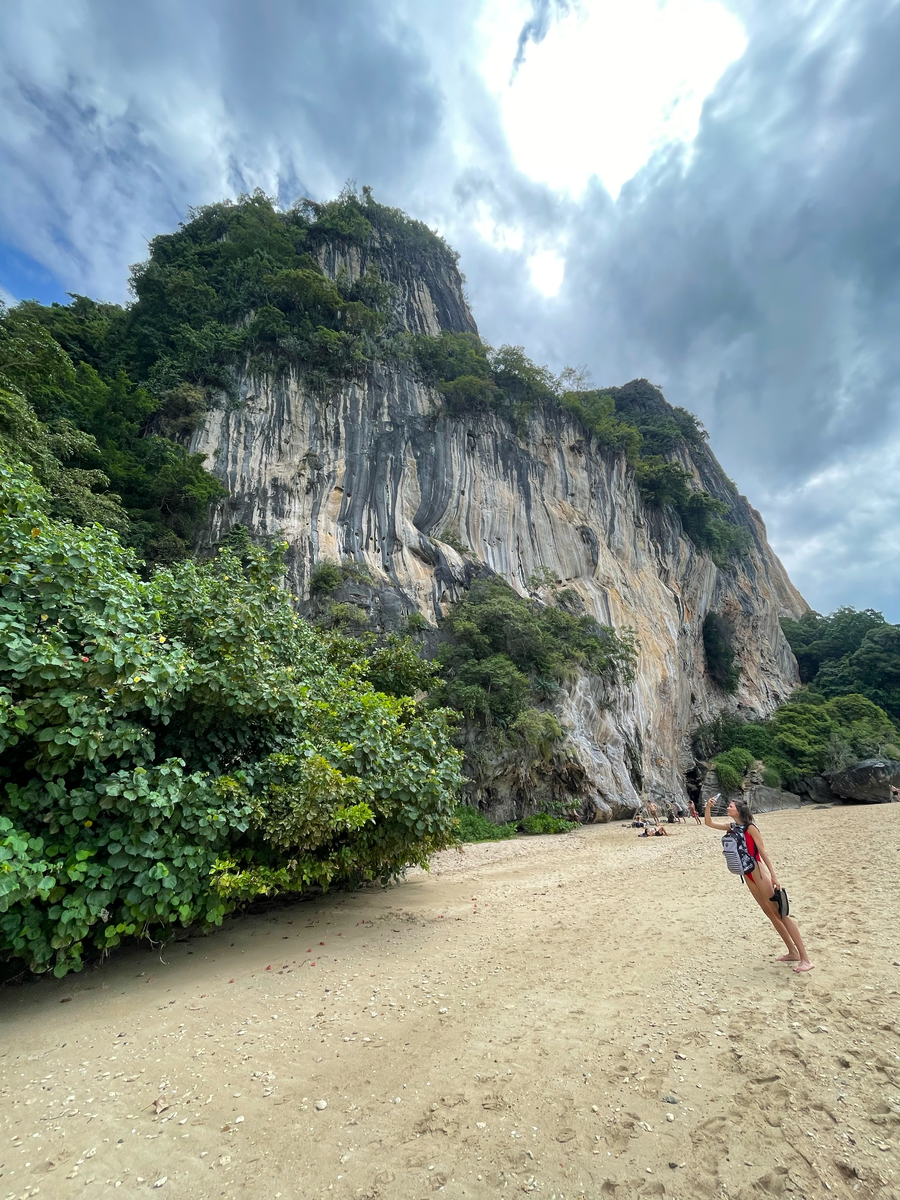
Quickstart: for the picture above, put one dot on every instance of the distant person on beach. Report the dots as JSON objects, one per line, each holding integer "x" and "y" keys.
{"x": 654, "y": 812}
{"x": 694, "y": 812}
{"x": 895, "y": 793}
{"x": 762, "y": 880}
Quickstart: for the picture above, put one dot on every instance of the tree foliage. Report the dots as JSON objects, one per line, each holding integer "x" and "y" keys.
{"x": 806, "y": 735}
{"x": 171, "y": 745}
{"x": 504, "y": 655}
{"x": 817, "y": 640}
{"x": 849, "y": 651}
{"x": 83, "y": 434}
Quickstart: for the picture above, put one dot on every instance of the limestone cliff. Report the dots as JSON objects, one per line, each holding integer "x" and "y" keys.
{"x": 374, "y": 470}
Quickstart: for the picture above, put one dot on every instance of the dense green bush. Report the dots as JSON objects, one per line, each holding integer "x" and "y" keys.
{"x": 597, "y": 412}
{"x": 473, "y": 826}
{"x": 83, "y": 434}
{"x": 415, "y": 622}
{"x": 718, "y": 648}
{"x": 547, "y": 823}
{"x": 473, "y": 377}
{"x": 806, "y": 735}
{"x": 505, "y": 654}
{"x": 731, "y": 767}
{"x": 171, "y": 744}
{"x": 325, "y": 577}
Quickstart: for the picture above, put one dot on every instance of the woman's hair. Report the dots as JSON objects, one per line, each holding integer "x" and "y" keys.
{"x": 744, "y": 812}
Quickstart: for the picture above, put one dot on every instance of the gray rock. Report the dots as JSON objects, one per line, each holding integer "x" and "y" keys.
{"x": 814, "y": 789}
{"x": 765, "y": 799}
{"x": 868, "y": 781}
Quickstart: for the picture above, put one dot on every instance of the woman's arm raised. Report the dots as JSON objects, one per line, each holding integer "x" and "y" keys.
{"x": 707, "y": 819}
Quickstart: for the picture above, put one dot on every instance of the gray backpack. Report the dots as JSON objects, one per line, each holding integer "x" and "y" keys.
{"x": 738, "y": 858}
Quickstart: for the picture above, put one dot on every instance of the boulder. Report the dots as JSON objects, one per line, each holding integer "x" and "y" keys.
{"x": 764, "y": 799}
{"x": 814, "y": 789}
{"x": 868, "y": 781}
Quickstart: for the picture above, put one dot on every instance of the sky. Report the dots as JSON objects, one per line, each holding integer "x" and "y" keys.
{"x": 704, "y": 193}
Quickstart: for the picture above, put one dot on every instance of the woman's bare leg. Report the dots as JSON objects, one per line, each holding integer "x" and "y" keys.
{"x": 786, "y": 926}
{"x": 760, "y": 884}
{"x": 793, "y": 952}
{"x": 791, "y": 926}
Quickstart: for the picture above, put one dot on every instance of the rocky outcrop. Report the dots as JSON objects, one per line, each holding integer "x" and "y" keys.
{"x": 814, "y": 789}
{"x": 376, "y": 472}
{"x": 868, "y": 781}
{"x": 428, "y": 294}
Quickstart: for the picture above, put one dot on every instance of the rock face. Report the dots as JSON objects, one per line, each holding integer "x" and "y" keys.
{"x": 868, "y": 781}
{"x": 376, "y": 472}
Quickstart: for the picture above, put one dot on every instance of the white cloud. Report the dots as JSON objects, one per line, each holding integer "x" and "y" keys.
{"x": 496, "y": 233}
{"x": 547, "y": 270}
{"x": 610, "y": 83}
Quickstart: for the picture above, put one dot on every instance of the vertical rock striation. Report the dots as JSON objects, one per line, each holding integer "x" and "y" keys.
{"x": 375, "y": 471}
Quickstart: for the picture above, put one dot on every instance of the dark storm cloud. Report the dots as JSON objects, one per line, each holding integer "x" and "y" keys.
{"x": 124, "y": 115}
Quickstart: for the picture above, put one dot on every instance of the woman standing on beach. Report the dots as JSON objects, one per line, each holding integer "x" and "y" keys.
{"x": 762, "y": 880}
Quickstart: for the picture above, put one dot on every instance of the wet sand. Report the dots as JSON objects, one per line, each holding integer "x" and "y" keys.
{"x": 590, "y": 1015}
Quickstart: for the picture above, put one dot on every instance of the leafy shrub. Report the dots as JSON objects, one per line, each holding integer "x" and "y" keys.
{"x": 473, "y": 826}
{"x": 541, "y": 578}
{"x": 325, "y": 577}
{"x": 717, "y": 646}
{"x": 597, "y": 412}
{"x": 503, "y": 651}
{"x": 341, "y": 614}
{"x": 415, "y": 622}
{"x": 537, "y": 730}
{"x": 731, "y": 767}
{"x": 172, "y": 745}
{"x": 806, "y": 735}
{"x": 449, "y": 538}
{"x": 547, "y": 823}
{"x": 397, "y": 668}
{"x": 771, "y": 778}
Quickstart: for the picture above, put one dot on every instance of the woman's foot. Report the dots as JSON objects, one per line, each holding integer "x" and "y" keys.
{"x": 803, "y": 965}
{"x": 793, "y": 958}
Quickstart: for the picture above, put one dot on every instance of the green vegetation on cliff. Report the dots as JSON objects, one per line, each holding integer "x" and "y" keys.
{"x": 633, "y": 420}
{"x": 84, "y": 437}
{"x": 106, "y": 396}
{"x": 506, "y": 655}
{"x": 718, "y": 646}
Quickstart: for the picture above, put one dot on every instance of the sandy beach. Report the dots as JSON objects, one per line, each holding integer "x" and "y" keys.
{"x": 591, "y": 1015}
